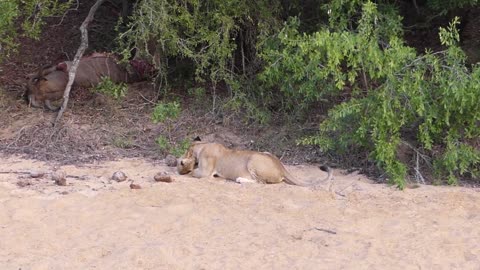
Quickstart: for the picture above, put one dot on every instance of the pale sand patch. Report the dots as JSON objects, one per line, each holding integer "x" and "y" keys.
{"x": 214, "y": 224}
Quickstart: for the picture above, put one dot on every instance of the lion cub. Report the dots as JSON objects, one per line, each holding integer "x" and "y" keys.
{"x": 214, "y": 159}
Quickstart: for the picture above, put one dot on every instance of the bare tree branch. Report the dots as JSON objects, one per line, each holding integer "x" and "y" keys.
{"x": 65, "y": 14}
{"x": 73, "y": 70}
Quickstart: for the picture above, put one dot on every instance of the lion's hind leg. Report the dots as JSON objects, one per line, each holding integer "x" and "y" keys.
{"x": 248, "y": 176}
{"x": 262, "y": 168}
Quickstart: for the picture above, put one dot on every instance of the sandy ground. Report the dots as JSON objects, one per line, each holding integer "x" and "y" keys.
{"x": 96, "y": 223}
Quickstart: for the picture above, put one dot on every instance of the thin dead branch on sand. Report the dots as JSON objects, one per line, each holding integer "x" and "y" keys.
{"x": 35, "y": 174}
{"x": 325, "y": 230}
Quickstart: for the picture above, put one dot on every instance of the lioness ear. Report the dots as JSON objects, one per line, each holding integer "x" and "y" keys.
{"x": 197, "y": 139}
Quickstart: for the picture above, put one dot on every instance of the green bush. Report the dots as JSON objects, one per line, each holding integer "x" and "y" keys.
{"x": 176, "y": 149}
{"x": 386, "y": 94}
{"x": 108, "y": 87}
{"x": 31, "y": 14}
{"x": 165, "y": 111}
{"x": 202, "y": 31}
{"x": 180, "y": 148}
{"x": 391, "y": 92}
{"x": 218, "y": 38}
{"x": 163, "y": 143}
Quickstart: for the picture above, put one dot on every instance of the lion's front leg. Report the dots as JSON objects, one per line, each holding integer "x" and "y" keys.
{"x": 205, "y": 168}
{"x": 199, "y": 173}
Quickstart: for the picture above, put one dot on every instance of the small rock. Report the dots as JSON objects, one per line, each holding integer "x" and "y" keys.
{"x": 163, "y": 177}
{"x": 59, "y": 178}
{"x": 61, "y": 182}
{"x": 171, "y": 161}
{"x": 64, "y": 192}
{"x": 135, "y": 186}
{"x": 23, "y": 183}
{"x": 36, "y": 174}
{"x": 83, "y": 177}
{"x": 119, "y": 176}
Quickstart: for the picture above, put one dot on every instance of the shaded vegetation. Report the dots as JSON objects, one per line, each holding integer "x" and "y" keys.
{"x": 408, "y": 100}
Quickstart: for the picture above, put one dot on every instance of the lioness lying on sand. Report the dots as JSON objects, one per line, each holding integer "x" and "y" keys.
{"x": 214, "y": 159}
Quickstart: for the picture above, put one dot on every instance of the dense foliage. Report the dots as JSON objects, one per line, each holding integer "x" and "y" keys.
{"x": 207, "y": 33}
{"x": 394, "y": 93}
{"x": 288, "y": 56}
{"x": 31, "y": 13}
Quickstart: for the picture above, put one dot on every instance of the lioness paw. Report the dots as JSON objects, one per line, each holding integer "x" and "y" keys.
{"x": 242, "y": 180}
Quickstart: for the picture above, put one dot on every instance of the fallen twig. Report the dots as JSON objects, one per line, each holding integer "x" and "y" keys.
{"x": 36, "y": 174}
{"x": 325, "y": 230}
{"x": 14, "y": 172}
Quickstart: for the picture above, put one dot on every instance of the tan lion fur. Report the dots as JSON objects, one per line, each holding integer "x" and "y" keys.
{"x": 214, "y": 159}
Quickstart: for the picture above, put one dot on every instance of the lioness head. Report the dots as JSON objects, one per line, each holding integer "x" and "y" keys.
{"x": 187, "y": 162}
{"x": 185, "y": 165}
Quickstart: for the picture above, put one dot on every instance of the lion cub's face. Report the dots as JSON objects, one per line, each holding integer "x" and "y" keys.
{"x": 185, "y": 165}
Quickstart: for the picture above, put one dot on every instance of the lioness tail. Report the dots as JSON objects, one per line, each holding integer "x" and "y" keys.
{"x": 289, "y": 179}
{"x": 327, "y": 169}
